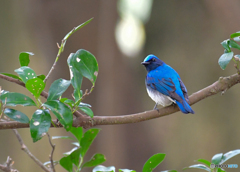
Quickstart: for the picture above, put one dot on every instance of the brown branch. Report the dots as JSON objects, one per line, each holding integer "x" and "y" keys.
{"x": 51, "y": 155}
{"x": 26, "y": 150}
{"x": 223, "y": 84}
{"x": 7, "y": 167}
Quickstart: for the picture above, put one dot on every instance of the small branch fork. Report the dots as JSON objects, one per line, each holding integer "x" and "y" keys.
{"x": 51, "y": 155}
{"x": 7, "y": 167}
{"x": 220, "y": 86}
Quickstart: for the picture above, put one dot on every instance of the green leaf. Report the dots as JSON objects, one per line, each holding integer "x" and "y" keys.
{"x": 76, "y": 77}
{"x": 199, "y": 166}
{"x": 35, "y": 86}
{"x": 16, "y": 115}
{"x": 103, "y": 169}
{"x": 205, "y": 162}
{"x": 235, "y": 34}
{"x": 40, "y": 124}
{"x": 95, "y": 160}
{"x": 87, "y": 110}
{"x": 225, "y": 45}
{"x": 77, "y": 132}
{"x": 67, "y": 101}
{"x": 86, "y": 64}
{"x": 62, "y": 137}
{"x": 25, "y": 73}
{"x": 74, "y": 30}
{"x": 153, "y": 162}
{"x": 14, "y": 99}
{"x": 12, "y": 76}
{"x": 24, "y": 58}
{"x": 220, "y": 170}
{"x": 87, "y": 140}
{"x": 57, "y": 88}
{"x": 216, "y": 159}
{"x": 229, "y": 155}
{"x": 225, "y": 59}
{"x": 66, "y": 163}
{"x": 75, "y": 156}
{"x": 126, "y": 170}
{"x": 61, "y": 111}
{"x": 233, "y": 44}
{"x": 42, "y": 77}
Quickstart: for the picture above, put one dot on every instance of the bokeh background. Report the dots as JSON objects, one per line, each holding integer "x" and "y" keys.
{"x": 185, "y": 34}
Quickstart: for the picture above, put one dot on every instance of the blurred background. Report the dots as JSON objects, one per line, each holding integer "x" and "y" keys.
{"x": 185, "y": 34}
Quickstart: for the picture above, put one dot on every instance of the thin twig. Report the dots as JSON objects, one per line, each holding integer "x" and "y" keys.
{"x": 26, "y": 150}
{"x": 51, "y": 155}
{"x": 7, "y": 167}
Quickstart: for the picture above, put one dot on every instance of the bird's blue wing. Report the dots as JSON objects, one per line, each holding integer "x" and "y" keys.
{"x": 165, "y": 86}
{"x": 184, "y": 90}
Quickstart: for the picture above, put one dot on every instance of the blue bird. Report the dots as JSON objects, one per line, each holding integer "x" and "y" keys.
{"x": 164, "y": 85}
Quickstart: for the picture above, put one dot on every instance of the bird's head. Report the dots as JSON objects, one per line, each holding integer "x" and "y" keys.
{"x": 151, "y": 62}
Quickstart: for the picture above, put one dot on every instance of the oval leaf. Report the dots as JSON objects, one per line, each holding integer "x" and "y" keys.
{"x": 39, "y": 124}
{"x": 16, "y": 115}
{"x": 87, "y": 140}
{"x": 225, "y": 59}
{"x": 95, "y": 160}
{"x": 12, "y": 76}
{"x": 66, "y": 163}
{"x": 233, "y": 44}
{"x": 86, "y": 64}
{"x": 103, "y": 168}
{"x": 42, "y": 77}
{"x": 199, "y": 166}
{"x": 26, "y": 73}
{"x": 205, "y": 162}
{"x": 24, "y": 58}
{"x": 77, "y": 132}
{"x": 229, "y": 155}
{"x": 87, "y": 111}
{"x": 216, "y": 159}
{"x": 153, "y": 162}
{"x": 57, "y": 88}
{"x": 35, "y": 86}
{"x": 14, "y": 99}
{"x": 235, "y": 34}
{"x": 226, "y": 45}
{"x": 62, "y": 112}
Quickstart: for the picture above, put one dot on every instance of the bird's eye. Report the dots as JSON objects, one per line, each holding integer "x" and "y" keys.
{"x": 153, "y": 60}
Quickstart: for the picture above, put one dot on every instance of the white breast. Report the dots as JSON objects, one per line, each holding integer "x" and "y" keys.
{"x": 159, "y": 98}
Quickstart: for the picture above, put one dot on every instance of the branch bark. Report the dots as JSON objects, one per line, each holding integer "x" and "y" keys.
{"x": 222, "y": 85}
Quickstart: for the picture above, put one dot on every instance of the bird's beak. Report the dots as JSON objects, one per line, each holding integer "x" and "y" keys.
{"x": 145, "y": 63}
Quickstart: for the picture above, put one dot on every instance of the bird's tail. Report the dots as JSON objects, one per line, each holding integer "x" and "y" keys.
{"x": 185, "y": 107}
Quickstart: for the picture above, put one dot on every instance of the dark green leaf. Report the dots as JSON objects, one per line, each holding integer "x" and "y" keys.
{"x": 103, "y": 169}
{"x": 225, "y": 45}
{"x": 35, "y": 86}
{"x": 84, "y": 105}
{"x": 205, "y": 162}
{"x": 16, "y": 115}
{"x": 24, "y": 58}
{"x": 235, "y": 34}
{"x": 77, "y": 132}
{"x": 57, "y": 88}
{"x": 67, "y": 101}
{"x": 86, "y": 64}
{"x": 39, "y": 124}
{"x": 62, "y": 137}
{"x": 199, "y": 166}
{"x": 42, "y": 77}
{"x": 87, "y": 110}
{"x": 233, "y": 44}
{"x": 229, "y": 155}
{"x": 74, "y": 30}
{"x": 12, "y": 76}
{"x": 62, "y": 112}
{"x": 153, "y": 162}
{"x": 216, "y": 159}
{"x": 76, "y": 77}
{"x": 25, "y": 73}
{"x": 14, "y": 99}
{"x": 95, "y": 160}
{"x": 87, "y": 140}
{"x": 75, "y": 156}
{"x": 126, "y": 170}
{"x": 225, "y": 59}
{"x": 66, "y": 163}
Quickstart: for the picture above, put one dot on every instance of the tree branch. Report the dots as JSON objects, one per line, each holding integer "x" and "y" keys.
{"x": 7, "y": 167}
{"x": 222, "y": 85}
{"x": 51, "y": 155}
{"x": 26, "y": 150}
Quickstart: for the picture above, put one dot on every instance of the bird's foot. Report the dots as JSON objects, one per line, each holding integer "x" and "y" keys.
{"x": 155, "y": 107}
